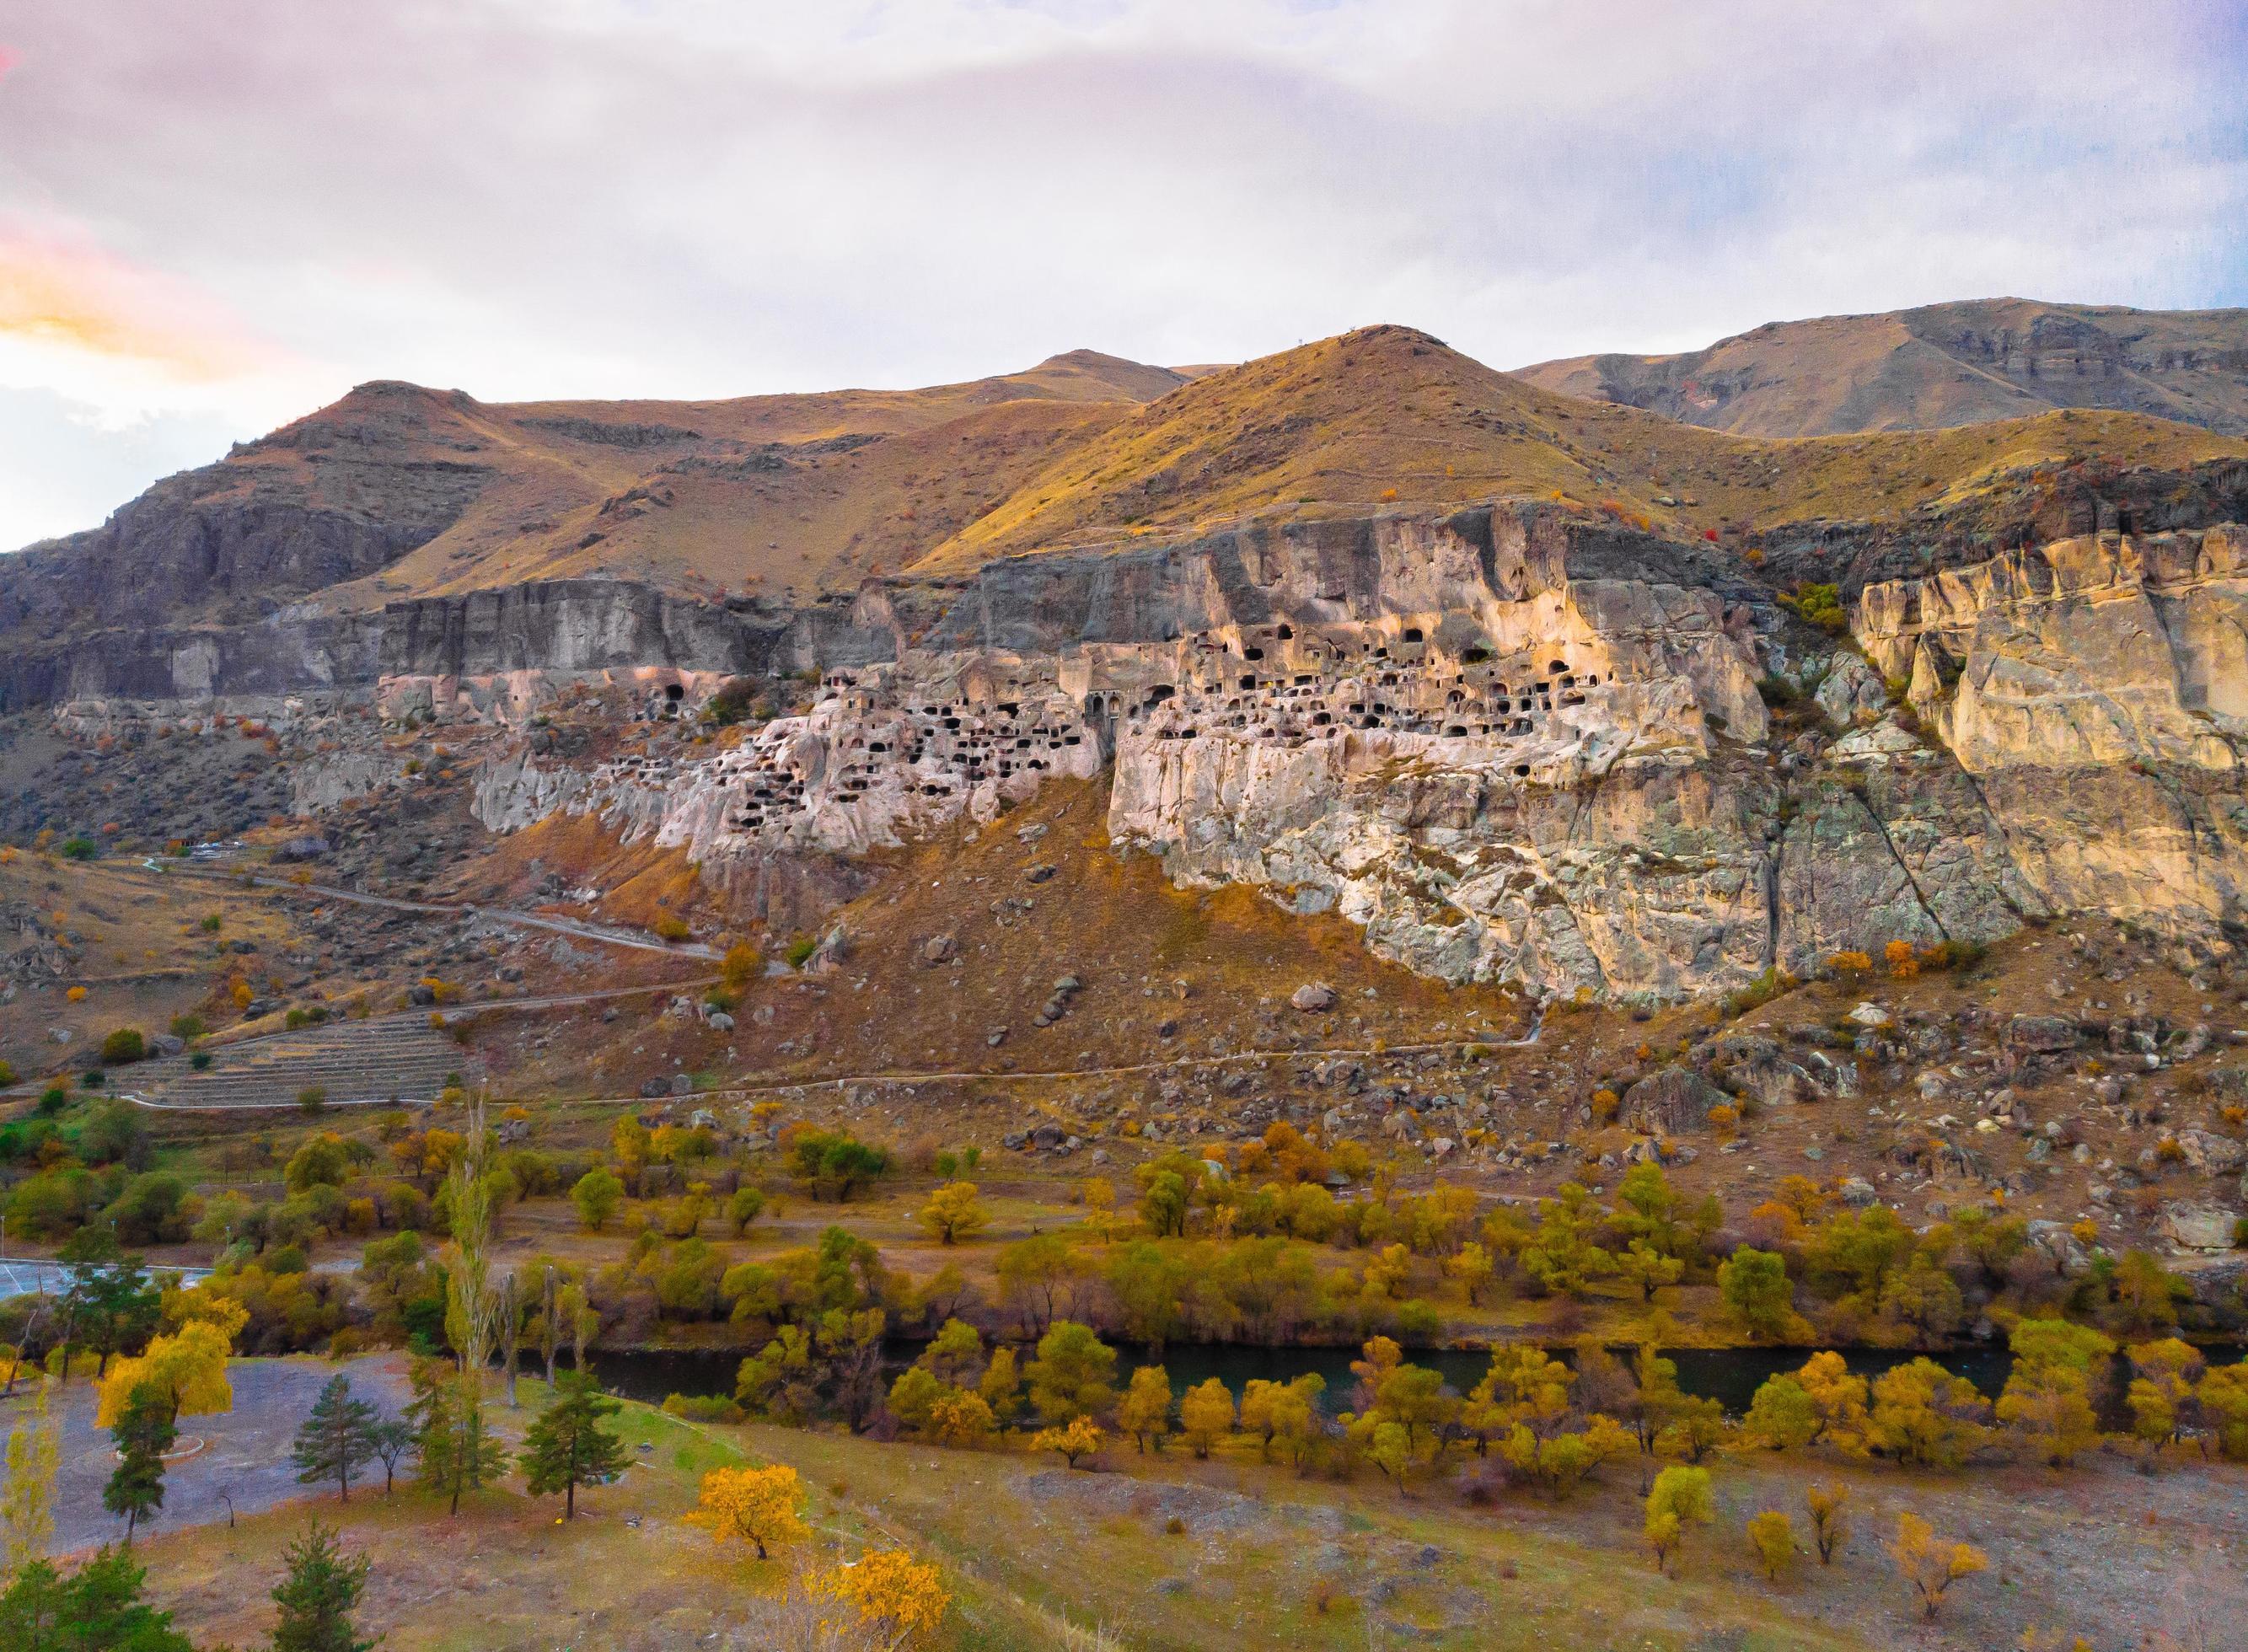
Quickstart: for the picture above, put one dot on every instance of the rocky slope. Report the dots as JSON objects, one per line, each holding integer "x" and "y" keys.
{"x": 1944, "y": 364}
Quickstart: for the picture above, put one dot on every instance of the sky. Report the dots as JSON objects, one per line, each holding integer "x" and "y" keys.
{"x": 216, "y": 216}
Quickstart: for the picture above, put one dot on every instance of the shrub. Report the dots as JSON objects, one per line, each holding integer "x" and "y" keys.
{"x": 200, "y": 1060}
{"x": 123, "y": 1045}
{"x": 670, "y": 927}
{"x": 800, "y": 950}
{"x": 79, "y": 849}
{"x": 703, "y": 1408}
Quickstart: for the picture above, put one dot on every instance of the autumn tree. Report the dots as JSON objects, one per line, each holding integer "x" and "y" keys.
{"x": 898, "y": 1601}
{"x": 1838, "y": 1399}
{"x": 27, "y": 1502}
{"x": 1680, "y": 1497}
{"x": 2047, "y": 1398}
{"x": 1830, "y": 1519}
{"x": 1206, "y": 1415}
{"x": 1145, "y": 1411}
{"x": 1771, "y": 1538}
{"x": 954, "y": 1213}
{"x": 2164, "y": 1377}
{"x": 762, "y": 1509}
{"x": 1075, "y": 1439}
{"x": 1924, "y": 1417}
{"x": 568, "y": 1447}
{"x": 1931, "y": 1564}
{"x": 187, "y": 1369}
{"x": 336, "y": 1439}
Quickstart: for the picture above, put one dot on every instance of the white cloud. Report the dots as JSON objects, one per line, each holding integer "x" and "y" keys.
{"x": 687, "y": 197}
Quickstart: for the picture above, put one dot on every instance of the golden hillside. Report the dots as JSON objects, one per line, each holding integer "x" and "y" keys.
{"x": 1387, "y": 416}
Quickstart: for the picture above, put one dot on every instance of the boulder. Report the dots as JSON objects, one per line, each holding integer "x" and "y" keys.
{"x": 1755, "y": 1067}
{"x": 1670, "y": 1102}
{"x": 654, "y": 1088}
{"x": 1313, "y": 997}
{"x": 681, "y": 1084}
{"x": 304, "y": 848}
{"x": 2052, "y": 1241}
{"x": 1858, "y": 1193}
{"x": 721, "y": 1022}
{"x": 1870, "y": 1015}
{"x": 939, "y": 949}
{"x": 2041, "y": 1034}
{"x": 2207, "y": 1151}
{"x": 2199, "y": 1227}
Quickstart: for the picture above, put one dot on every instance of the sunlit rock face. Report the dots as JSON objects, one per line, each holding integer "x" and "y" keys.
{"x": 1511, "y": 745}
{"x": 2096, "y": 691}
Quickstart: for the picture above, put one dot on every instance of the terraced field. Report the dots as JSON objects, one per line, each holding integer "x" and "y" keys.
{"x": 395, "y": 1059}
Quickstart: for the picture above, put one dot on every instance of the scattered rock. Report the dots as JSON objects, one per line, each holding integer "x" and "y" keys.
{"x": 1313, "y": 997}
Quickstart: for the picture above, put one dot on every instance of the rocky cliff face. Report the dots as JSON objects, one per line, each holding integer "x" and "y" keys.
{"x": 1513, "y": 749}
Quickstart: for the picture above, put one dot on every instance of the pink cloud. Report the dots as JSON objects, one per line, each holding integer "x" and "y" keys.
{"x": 9, "y": 58}
{"x": 60, "y": 287}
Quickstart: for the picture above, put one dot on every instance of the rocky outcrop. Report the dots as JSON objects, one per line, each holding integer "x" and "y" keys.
{"x": 2095, "y": 693}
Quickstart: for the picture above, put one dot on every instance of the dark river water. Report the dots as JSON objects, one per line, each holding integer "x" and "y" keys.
{"x": 1731, "y": 1376}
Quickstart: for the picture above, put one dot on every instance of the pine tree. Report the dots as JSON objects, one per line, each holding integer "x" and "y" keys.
{"x": 567, "y": 1447}
{"x": 337, "y": 1440}
{"x": 143, "y": 1435}
{"x": 452, "y": 1452}
{"x": 317, "y": 1597}
{"x": 96, "y": 1608}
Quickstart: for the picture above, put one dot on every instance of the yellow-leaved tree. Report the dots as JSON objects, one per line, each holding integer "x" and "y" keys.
{"x": 899, "y": 1599}
{"x": 1931, "y": 1564}
{"x": 756, "y": 1508}
{"x": 186, "y": 1367}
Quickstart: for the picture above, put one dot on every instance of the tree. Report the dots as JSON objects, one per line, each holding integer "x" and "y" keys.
{"x": 1001, "y": 1385}
{"x": 1033, "y": 1274}
{"x": 337, "y": 1440}
{"x": 1924, "y": 1417}
{"x": 391, "y": 1439}
{"x": 761, "y": 1509}
{"x": 745, "y": 1205}
{"x": 1772, "y": 1535}
{"x": 1079, "y": 1437}
{"x": 898, "y": 1598}
{"x": 597, "y": 1194}
{"x": 1753, "y": 1285}
{"x": 2221, "y": 1395}
{"x": 913, "y": 1397}
{"x": 953, "y": 1213}
{"x": 450, "y": 1456}
{"x": 1930, "y": 1565}
{"x": 1680, "y": 1497}
{"x": 1070, "y": 1378}
{"x": 960, "y": 1418}
{"x": 1472, "y": 1266}
{"x": 1297, "y": 1426}
{"x": 2048, "y": 1395}
{"x": 1837, "y": 1398}
{"x": 2164, "y": 1375}
{"x": 567, "y": 1447}
{"x": 1781, "y": 1415}
{"x": 1562, "y": 1257}
{"x": 187, "y": 1368}
{"x": 1206, "y": 1415}
{"x": 318, "y": 1596}
{"x": 98, "y": 1608}
{"x": 1830, "y": 1519}
{"x": 27, "y": 1504}
{"x": 108, "y": 1306}
{"x": 1145, "y": 1411}
{"x": 143, "y": 1433}
{"x": 1163, "y": 1205}
{"x": 834, "y": 1163}
{"x": 741, "y": 965}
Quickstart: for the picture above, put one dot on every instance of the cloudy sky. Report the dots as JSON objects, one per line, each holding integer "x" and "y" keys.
{"x": 216, "y": 214}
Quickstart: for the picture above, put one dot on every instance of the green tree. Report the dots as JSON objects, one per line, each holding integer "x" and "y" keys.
{"x": 1072, "y": 1375}
{"x": 451, "y": 1452}
{"x": 337, "y": 1440}
{"x": 1645, "y": 1269}
{"x": 109, "y": 1307}
{"x": 1753, "y": 1285}
{"x": 96, "y": 1608}
{"x": 318, "y": 1595}
{"x": 142, "y": 1435}
{"x": 2048, "y": 1396}
{"x": 1782, "y": 1415}
{"x": 567, "y": 1447}
{"x": 1163, "y": 1205}
{"x": 596, "y": 1195}
{"x": 1563, "y": 1257}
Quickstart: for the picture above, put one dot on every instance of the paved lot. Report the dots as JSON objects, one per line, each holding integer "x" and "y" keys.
{"x": 247, "y": 1453}
{"x": 25, "y": 1279}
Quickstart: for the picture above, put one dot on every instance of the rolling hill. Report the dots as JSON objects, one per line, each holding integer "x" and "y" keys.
{"x": 1939, "y": 365}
